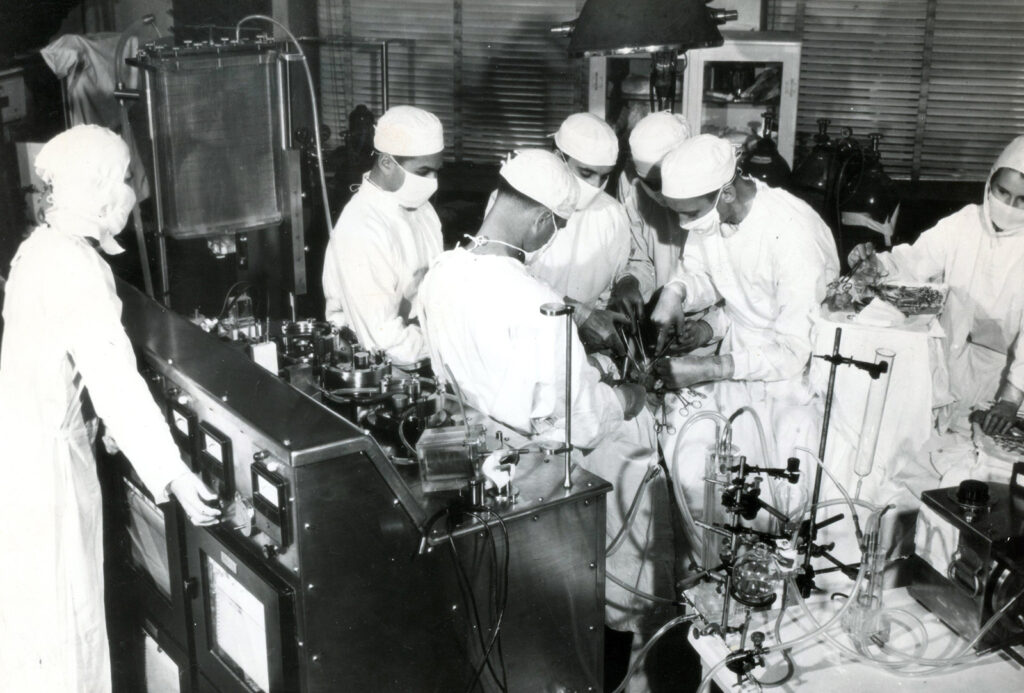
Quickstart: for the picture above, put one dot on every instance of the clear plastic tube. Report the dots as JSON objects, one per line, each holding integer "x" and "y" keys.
{"x": 760, "y": 430}
{"x": 873, "y": 409}
{"x": 777, "y": 632}
{"x": 312, "y": 101}
{"x": 677, "y": 486}
{"x": 650, "y": 643}
{"x": 640, "y": 593}
{"x": 962, "y": 656}
{"x": 846, "y": 496}
{"x": 789, "y": 645}
{"x": 634, "y": 507}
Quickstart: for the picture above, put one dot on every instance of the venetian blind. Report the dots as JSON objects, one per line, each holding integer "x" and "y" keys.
{"x": 975, "y": 94}
{"x": 860, "y": 67}
{"x": 421, "y": 62}
{"x": 490, "y": 69}
{"x": 517, "y": 82}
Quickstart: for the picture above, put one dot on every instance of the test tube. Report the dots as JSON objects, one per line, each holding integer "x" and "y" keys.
{"x": 873, "y": 410}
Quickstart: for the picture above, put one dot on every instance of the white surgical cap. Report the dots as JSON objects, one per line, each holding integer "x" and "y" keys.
{"x": 698, "y": 166}
{"x": 588, "y": 139}
{"x": 1012, "y": 157}
{"x": 85, "y": 169}
{"x": 408, "y": 131}
{"x": 654, "y": 137}
{"x": 544, "y": 178}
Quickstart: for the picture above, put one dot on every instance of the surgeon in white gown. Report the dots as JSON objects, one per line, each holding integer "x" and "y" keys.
{"x": 769, "y": 258}
{"x": 62, "y": 339}
{"x": 387, "y": 236}
{"x": 584, "y": 258}
{"x": 480, "y": 310}
{"x": 979, "y": 252}
{"x": 657, "y": 240}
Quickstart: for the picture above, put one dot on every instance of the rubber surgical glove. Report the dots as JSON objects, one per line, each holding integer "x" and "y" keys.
{"x": 695, "y": 334}
{"x": 1000, "y": 418}
{"x": 598, "y": 331}
{"x": 685, "y": 371}
{"x": 632, "y": 397}
{"x": 198, "y": 502}
{"x": 668, "y": 315}
{"x": 626, "y": 298}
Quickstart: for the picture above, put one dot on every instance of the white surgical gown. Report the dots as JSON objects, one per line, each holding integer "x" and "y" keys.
{"x": 985, "y": 273}
{"x": 657, "y": 240}
{"x": 588, "y": 254}
{"x": 376, "y": 258}
{"x": 772, "y": 271}
{"x": 62, "y": 333}
{"x": 481, "y": 317}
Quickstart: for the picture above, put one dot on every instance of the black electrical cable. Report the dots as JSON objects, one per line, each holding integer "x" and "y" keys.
{"x": 505, "y": 580}
{"x": 497, "y": 587}
{"x": 225, "y": 306}
{"x": 462, "y": 580}
{"x": 496, "y": 631}
{"x": 465, "y": 587}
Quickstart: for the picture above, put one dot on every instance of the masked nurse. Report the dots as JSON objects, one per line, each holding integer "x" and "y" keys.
{"x": 63, "y": 341}
{"x": 979, "y": 253}
{"x": 387, "y": 236}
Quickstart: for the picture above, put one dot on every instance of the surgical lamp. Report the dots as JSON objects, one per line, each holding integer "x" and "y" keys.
{"x": 663, "y": 28}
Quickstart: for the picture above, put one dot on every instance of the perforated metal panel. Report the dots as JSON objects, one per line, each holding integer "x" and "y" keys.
{"x": 215, "y": 135}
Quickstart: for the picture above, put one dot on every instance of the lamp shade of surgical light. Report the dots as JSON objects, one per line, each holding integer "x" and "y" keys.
{"x": 663, "y": 28}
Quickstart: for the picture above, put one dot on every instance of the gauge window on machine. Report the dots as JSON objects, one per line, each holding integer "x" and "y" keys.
{"x": 216, "y": 460}
{"x": 239, "y": 633}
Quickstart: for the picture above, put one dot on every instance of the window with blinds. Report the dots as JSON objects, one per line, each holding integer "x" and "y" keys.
{"x": 942, "y": 80}
{"x": 518, "y": 83}
{"x": 420, "y": 60}
{"x": 975, "y": 96}
{"x": 489, "y": 69}
{"x": 861, "y": 68}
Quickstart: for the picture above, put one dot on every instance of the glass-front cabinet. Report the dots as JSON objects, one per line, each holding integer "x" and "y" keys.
{"x": 724, "y": 91}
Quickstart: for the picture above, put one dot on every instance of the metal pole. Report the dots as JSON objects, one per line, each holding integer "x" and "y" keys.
{"x": 567, "y": 479}
{"x": 385, "y": 67}
{"x": 161, "y": 240}
{"x": 816, "y": 493}
{"x": 552, "y": 310}
{"x": 284, "y": 90}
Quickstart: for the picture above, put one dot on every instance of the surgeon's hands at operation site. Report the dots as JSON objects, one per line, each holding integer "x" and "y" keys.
{"x": 686, "y": 371}
{"x": 668, "y": 315}
{"x": 626, "y": 298}
{"x": 863, "y": 258}
{"x": 999, "y": 418}
{"x": 695, "y": 333}
{"x": 198, "y": 502}
{"x": 632, "y": 397}
{"x": 599, "y": 330}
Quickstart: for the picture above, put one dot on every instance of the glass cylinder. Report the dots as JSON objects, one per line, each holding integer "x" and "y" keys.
{"x": 871, "y": 424}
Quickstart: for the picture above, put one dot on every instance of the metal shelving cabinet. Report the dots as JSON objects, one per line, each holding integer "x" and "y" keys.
{"x": 721, "y": 90}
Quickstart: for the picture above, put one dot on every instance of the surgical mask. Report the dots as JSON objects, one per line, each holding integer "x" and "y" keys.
{"x": 116, "y": 215}
{"x": 588, "y": 193}
{"x": 415, "y": 189}
{"x": 707, "y": 222}
{"x": 534, "y": 254}
{"x": 1005, "y": 217}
